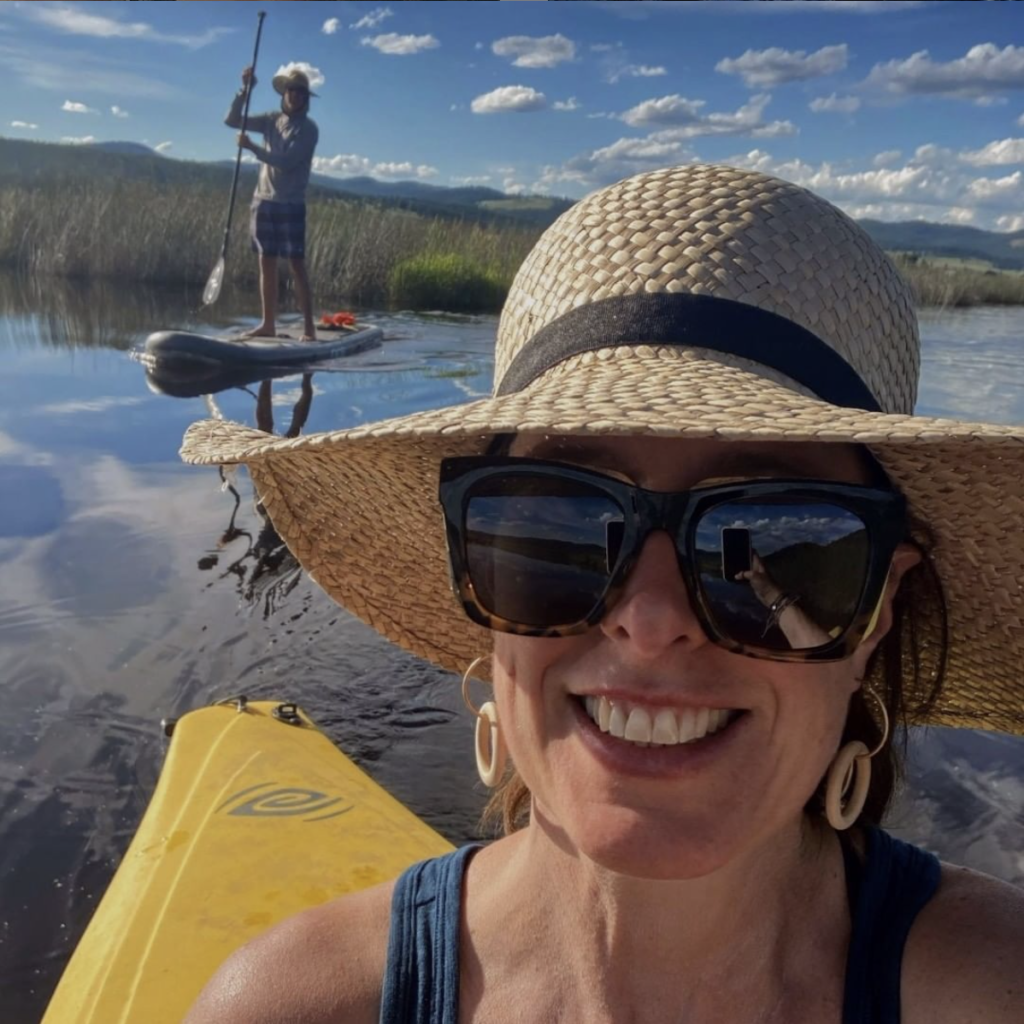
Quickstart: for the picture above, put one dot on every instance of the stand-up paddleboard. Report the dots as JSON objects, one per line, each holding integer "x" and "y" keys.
{"x": 256, "y": 815}
{"x": 284, "y": 350}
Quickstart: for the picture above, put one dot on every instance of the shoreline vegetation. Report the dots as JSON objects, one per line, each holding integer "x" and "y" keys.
{"x": 358, "y": 253}
{"x": 946, "y": 283}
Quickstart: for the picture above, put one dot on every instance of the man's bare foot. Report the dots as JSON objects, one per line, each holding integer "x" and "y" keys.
{"x": 309, "y": 337}
{"x": 259, "y": 332}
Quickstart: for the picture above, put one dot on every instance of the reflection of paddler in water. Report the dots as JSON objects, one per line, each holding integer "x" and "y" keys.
{"x": 270, "y": 557}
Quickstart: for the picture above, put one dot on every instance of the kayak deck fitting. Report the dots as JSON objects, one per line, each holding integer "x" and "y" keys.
{"x": 256, "y": 815}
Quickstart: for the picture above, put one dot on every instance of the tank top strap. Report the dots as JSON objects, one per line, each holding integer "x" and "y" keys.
{"x": 886, "y": 894}
{"x": 421, "y": 976}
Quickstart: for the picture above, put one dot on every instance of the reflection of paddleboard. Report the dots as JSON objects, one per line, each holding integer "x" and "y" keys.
{"x": 256, "y": 815}
{"x": 183, "y": 346}
{"x": 181, "y": 379}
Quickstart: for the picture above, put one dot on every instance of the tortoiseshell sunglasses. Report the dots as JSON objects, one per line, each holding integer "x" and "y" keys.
{"x": 788, "y": 570}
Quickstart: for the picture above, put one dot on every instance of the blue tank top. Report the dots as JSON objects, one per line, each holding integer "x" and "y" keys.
{"x": 421, "y": 978}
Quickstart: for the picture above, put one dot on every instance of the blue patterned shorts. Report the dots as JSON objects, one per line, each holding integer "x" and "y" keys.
{"x": 278, "y": 229}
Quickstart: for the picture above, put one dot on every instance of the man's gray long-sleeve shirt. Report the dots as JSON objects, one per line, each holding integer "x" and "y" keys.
{"x": 287, "y": 156}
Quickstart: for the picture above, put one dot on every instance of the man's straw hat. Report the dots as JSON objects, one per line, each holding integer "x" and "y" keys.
{"x": 696, "y": 301}
{"x": 291, "y": 79}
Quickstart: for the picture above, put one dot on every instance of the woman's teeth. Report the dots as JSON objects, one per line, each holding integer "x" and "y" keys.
{"x": 649, "y": 727}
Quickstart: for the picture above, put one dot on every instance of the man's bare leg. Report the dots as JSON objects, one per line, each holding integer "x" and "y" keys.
{"x": 267, "y": 328}
{"x": 305, "y": 298}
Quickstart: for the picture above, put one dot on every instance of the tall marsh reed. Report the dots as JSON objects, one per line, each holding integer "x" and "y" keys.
{"x": 357, "y": 253}
{"x": 129, "y": 232}
{"x": 949, "y": 283}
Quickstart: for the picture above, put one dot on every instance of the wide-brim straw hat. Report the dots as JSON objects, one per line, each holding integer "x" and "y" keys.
{"x": 282, "y": 81}
{"x": 690, "y": 302}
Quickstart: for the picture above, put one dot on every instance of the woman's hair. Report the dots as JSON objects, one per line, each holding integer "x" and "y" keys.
{"x": 902, "y": 671}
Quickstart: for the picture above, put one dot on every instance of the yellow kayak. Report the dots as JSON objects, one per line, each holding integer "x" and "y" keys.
{"x": 256, "y": 815}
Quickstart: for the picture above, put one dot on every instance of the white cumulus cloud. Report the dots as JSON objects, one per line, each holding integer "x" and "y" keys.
{"x": 621, "y": 159}
{"x": 162, "y": 147}
{"x": 536, "y": 51}
{"x": 374, "y": 18}
{"x": 72, "y": 107}
{"x": 1005, "y": 151}
{"x": 835, "y": 104}
{"x": 932, "y": 155}
{"x": 888, "y": 156}
{"x": 983, "y": 68}
{"x": 330, "y": 26}
{"x": 23, "y": 124}
{"x": 509, "y": 98}
{"x": 988, "y": 190}
{"x": 81, "y": 140}
{"x": 1011, "y": 222}
{"x": 775, "y": 66}
{"x": 348, "y": 165}
{"x": 570, "y": 104}
{"x": 961, "y": 215}
{"x": 636, "y": 71}
{"x": 932, "y": 186}
{"x": 681, "y": 118}
{"x": 666, "y": 110}
{"x": 119, "y": 112}
{"x": 395, "y": 45}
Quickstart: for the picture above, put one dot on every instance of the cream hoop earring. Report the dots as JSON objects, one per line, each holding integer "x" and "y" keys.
{"x": 490, "y": 749}
{"x": 852, "y": 764}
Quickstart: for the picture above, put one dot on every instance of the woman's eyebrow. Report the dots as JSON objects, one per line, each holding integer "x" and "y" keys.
{"x": 748, "y": 463}
{"x": 744, "y": 463}
{"x": 561, "y": 448}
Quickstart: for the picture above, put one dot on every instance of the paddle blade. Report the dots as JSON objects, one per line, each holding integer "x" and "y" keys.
{"x": 213, "y": 283}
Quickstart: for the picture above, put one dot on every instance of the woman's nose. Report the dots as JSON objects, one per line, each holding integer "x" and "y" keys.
{"x": 654, "y": 611}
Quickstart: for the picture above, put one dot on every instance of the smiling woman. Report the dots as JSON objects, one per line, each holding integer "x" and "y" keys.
{"x": 690, "y": 725}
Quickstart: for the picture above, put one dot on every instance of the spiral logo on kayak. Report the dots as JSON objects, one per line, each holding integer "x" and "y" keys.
{"x": 285, "y": 802}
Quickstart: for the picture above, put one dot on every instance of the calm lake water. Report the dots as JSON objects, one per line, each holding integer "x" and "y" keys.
{"x": 133, "y": 587}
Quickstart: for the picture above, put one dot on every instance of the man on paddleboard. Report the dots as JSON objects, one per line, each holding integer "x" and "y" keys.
{"x": 278, "y": 221}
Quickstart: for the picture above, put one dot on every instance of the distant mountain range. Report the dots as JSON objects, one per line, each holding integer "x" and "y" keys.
{"x": 23, "y": 161}
{"x": 1002, "y": 249}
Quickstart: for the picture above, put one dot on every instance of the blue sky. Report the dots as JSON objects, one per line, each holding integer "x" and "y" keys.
{"x": 896, "y": 109}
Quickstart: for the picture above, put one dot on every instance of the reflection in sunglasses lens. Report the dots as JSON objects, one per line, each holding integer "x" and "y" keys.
{"x": 538, "y": 554}
{"x": 815, "y": 552}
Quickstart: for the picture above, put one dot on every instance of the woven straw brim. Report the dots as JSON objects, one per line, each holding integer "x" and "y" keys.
{"x": 359, "y": 510}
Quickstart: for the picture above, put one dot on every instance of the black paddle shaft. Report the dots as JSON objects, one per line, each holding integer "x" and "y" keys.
{"x": 245, "y": 118}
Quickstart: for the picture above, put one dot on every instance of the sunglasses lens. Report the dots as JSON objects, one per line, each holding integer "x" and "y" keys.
{"x": 809, "y": 555}
{"x": 540, "y": 549}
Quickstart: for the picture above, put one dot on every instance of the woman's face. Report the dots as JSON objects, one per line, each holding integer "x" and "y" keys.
{"x": 674, "y": 811}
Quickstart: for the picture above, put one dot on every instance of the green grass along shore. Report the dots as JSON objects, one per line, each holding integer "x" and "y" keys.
{"x": 358, "y": 253}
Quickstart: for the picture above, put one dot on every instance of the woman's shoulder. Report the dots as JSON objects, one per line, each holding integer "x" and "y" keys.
{"x": 963, "y": 955}
{"x": 323, "y": 964}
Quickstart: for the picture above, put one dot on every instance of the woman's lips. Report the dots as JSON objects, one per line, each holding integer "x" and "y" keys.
{"x": 652, "y": 757}
{"x": 663, "y": 726}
